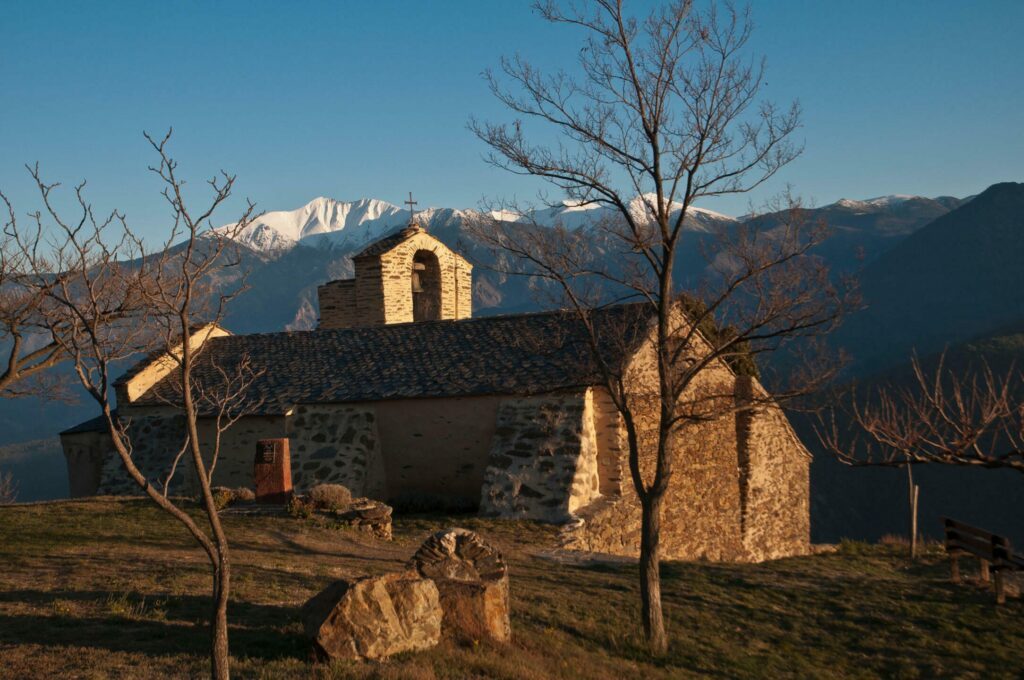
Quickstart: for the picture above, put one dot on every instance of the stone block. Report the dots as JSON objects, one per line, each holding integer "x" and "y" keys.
{"x": 473, "y": 583}
{"x": 374, "y": 617}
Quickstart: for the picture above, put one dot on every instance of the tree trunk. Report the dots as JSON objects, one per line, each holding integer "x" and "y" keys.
{"x": 650, "y": 575}
{"x": 219, "y": 659}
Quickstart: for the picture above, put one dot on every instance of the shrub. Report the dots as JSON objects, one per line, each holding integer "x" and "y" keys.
{"x": 298, "y": 508}
{"x": 243, "y": 495}
{"x": 222, "y": 496}
{"x": 330, "y": 497}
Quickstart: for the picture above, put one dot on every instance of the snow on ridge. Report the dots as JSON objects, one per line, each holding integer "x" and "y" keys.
{"x": 876, "y": 202}
{"x": 281, "y": 229}
{"x": 891, "y": 199}
{"x": 363, "y": 220}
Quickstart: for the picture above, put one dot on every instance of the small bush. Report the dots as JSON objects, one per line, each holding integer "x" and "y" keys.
{"x": 298, "y": 508}
{"x": 222, "y": 496}
{"x": 134, "y": 606}
{"x": 243, "y": 495}
{"x": 330, "y": 497}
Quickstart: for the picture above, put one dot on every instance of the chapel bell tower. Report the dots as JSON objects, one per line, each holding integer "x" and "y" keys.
{"x": 406, "y": 276}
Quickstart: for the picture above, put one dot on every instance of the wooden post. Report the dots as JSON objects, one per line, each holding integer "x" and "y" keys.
{"x": 954, "y": 568}
{"x": 913, "y": 521}
{"x": 983, "y": 572}
{"x": 1000, "y": 587}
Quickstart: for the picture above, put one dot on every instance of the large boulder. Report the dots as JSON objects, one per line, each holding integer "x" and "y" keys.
{"x": 374, "y": 617}
{"x": 472, "y": 579}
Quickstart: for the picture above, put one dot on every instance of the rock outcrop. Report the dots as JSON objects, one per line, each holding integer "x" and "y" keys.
{"x": 374, "y": 617}
{"x": 472, "y": 580}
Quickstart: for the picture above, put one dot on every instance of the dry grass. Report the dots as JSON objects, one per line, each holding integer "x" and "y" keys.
{"x": 109, "y": 588}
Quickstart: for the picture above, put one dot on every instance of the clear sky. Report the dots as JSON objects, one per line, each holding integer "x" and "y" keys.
{"x": 370, "y": 99}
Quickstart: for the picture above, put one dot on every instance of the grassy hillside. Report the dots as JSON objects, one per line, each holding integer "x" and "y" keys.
{"x": 111, "y": 589}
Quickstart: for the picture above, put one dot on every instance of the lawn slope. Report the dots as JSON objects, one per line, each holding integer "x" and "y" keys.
{"x": 107, "y": 588}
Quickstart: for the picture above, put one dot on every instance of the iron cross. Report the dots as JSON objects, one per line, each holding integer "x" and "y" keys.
{"x": 412, "y": 210}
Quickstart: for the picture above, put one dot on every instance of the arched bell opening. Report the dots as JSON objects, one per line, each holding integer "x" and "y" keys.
{"x": 426, "y": 286}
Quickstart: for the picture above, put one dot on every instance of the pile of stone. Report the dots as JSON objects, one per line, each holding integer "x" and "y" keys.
{"x": 364, "y": 514}
{"x": 334, "y": 502}
{"x": 456, "y": 585}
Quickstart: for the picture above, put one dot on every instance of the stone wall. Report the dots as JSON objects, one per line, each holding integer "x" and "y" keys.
{"x": 542, "y": 465}
{"x": 774, "y": 479}
{"x": 435, "y": 450}
{"x": 85, "y": 453}
{"x": 237, "y": 449}
{"x": 337, "y": 302}
{"x": 334, "y": 444}
{"x": 381, "y": 291}
{"x": 701, "y": 509}
{"x": 155, "y": 439}
{"x": 157, "y": 435}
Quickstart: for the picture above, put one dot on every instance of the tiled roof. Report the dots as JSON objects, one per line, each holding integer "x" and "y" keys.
{"x": 97, "y": 424}
{"x": 383, "y": 245}
{"x": 520, "y": 354}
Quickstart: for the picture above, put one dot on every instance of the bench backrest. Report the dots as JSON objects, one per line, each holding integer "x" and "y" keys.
{"x": 996, "y": 549}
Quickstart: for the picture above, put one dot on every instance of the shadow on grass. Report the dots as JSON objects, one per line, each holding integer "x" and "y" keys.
{"x": 151, "y": 623}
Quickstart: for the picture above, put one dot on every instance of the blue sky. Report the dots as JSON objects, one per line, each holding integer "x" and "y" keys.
{"x": 357, "y": 99}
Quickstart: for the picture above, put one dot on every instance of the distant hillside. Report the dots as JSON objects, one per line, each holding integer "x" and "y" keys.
{"x": 861, "y": 231}
{"x": 868, "y": 503}
{"x": 956, "y": 278}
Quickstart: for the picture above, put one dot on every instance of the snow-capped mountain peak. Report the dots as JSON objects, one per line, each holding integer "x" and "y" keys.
{"x": 281, "y": 229}
{"x": 353, "y": 223}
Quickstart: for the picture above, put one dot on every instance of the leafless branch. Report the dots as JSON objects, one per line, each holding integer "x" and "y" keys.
{"x": 972, "y": 417}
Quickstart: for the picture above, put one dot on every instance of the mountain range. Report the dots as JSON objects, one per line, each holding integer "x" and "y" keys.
{"x": 288, "y": 253}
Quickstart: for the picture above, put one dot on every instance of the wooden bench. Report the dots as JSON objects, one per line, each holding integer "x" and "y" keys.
{"x": 993, "y": 551}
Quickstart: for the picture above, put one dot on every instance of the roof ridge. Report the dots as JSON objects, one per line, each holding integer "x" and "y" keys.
{"x": 431, "y": 322}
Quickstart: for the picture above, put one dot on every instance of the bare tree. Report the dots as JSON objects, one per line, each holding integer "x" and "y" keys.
{"x": 112, "y": 300}
{"x": 8, "y": 488}
{"x": 969, "y": 417}
{"x": 972, "y": 417}
{"x": 28, "y": 349}
{"x": 663, "y": 113}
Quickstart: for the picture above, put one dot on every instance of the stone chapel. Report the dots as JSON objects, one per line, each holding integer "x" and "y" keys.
{"x": 401, "y": 395}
